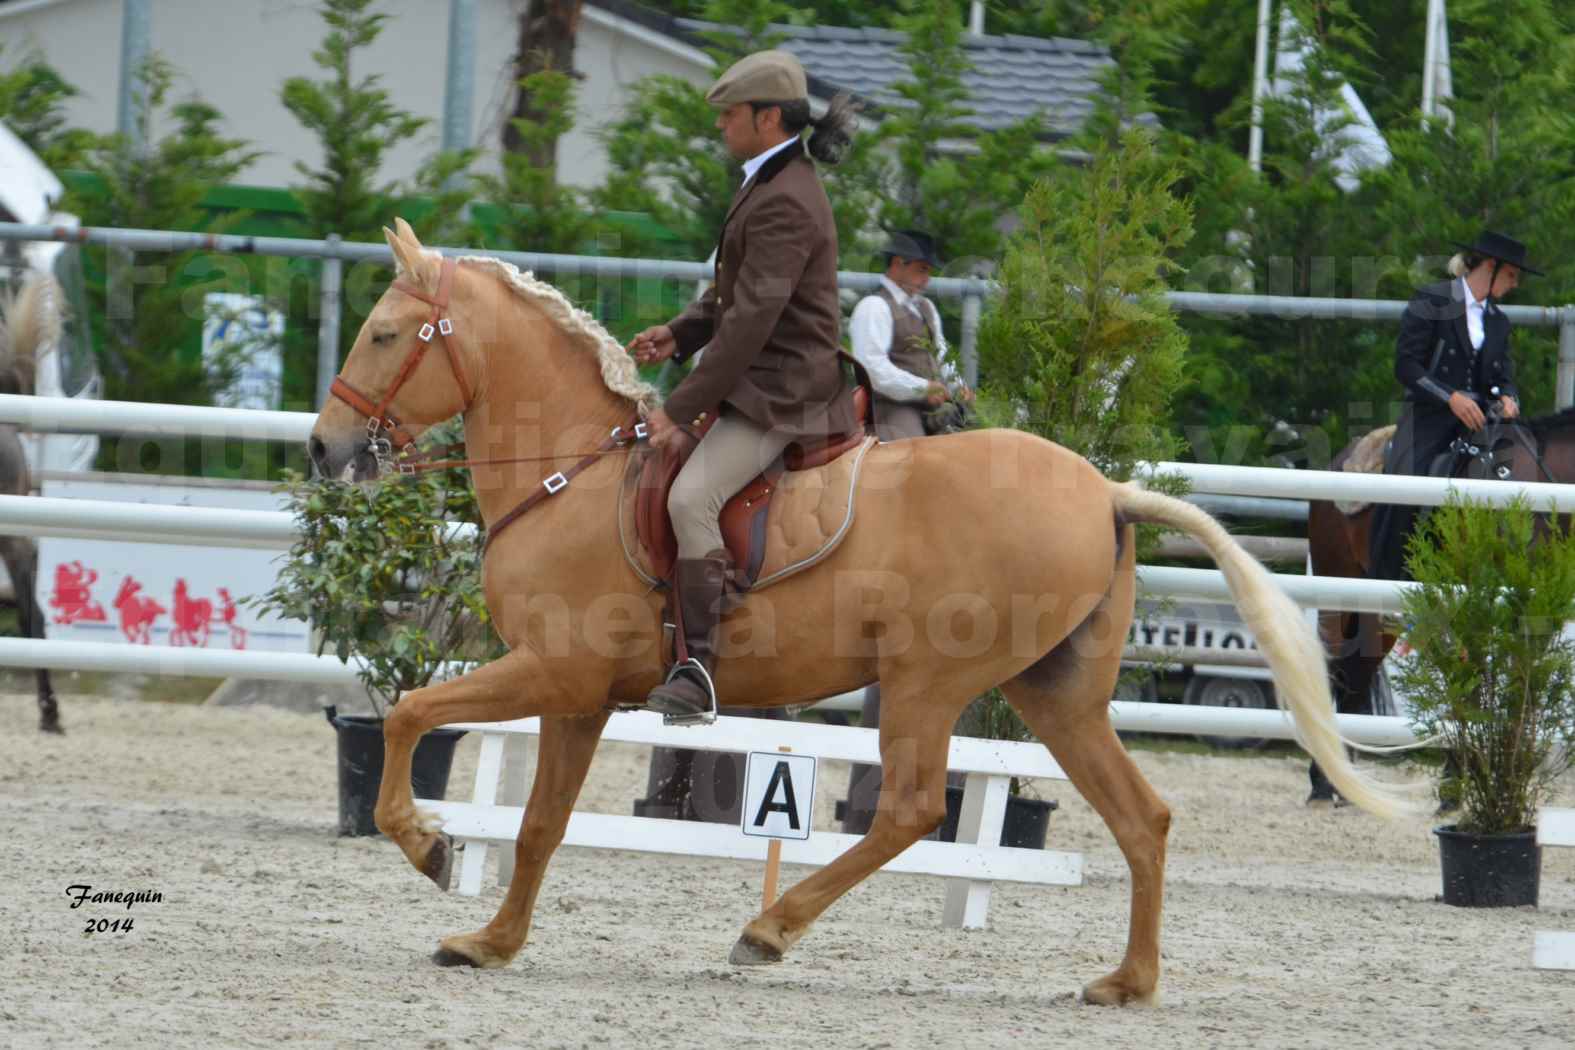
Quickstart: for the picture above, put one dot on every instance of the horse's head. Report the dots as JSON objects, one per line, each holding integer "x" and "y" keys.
{"x": 405, "y": 372}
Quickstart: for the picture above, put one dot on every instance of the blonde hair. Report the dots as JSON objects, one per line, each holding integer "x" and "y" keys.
{"x": 1464, "y": 262}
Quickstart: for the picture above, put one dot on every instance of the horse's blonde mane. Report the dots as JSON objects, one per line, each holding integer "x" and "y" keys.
{"x": 29, "y": 320}
{"x": 618, "y": 369}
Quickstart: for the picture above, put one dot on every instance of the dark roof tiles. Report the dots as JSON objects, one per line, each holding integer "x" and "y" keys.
{"x": 1012, "y": 77}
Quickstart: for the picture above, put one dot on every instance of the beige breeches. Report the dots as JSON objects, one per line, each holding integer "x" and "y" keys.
{"x": 729, "y": 457}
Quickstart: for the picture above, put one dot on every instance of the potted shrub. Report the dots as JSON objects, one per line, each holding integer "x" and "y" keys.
{"x": 382, "y": 579}
{"x": 1492, "y": 676}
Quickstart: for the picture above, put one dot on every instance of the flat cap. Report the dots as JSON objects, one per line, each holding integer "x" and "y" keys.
{"x": 765, "y": 76}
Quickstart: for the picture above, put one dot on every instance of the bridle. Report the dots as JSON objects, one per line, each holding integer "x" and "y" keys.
{"x": 387, "y": 437}
{"x": 383, "y": 430}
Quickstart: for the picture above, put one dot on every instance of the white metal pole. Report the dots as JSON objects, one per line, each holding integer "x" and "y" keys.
{"x": 1430, "y": 61}
{"x": 330, "y": 305}
{"x": 972, "y": 309}
{"x": 136, "y": 42}
{"x": 461, "y": 82}
{"x": 1565, "y": 387}
{"x": 1260, "y": 85}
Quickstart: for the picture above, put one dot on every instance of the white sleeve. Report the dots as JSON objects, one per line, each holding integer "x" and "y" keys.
{"x": 943, "y": 353}
{"x": 871, "y": 328}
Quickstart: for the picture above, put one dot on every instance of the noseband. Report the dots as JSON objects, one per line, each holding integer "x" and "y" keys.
{"x": 382, "y": 428}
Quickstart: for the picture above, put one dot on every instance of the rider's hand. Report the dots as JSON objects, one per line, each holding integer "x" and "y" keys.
{"x": 965, "y": 394}
{"x": 937, "y": 394}
{"x": 653, "y": 345}
{"x": 661, "y": 428}
{"x": 1508, "y": 407}
{"x": 1467, "y": 411}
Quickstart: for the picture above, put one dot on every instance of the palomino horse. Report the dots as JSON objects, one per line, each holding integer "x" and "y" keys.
{"x": 30, "y": 322}
{"x": 1030, "y": 588}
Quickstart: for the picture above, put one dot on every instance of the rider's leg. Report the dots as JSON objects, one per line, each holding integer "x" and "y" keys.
{"x": 731, "y": 455}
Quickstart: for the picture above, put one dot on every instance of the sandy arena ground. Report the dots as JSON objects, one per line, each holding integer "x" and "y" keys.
{"x": 1284, "y": 927}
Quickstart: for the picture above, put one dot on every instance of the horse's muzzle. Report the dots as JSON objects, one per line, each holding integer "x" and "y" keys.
{"x": 351, "y": 460}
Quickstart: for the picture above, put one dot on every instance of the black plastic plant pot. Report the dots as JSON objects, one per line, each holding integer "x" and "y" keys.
{"x": 1025, "y": 826}
{"x": 1489, "y": 871}
{"x": 361, "y": 767}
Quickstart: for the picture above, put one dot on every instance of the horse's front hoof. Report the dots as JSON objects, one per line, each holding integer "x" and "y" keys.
{"x": 752, "y": 953}
{"x": 449, "y": 957}
{"x": 52, "y": 727}
{"x": 1117, "y": 990}
{"x": 439, "y": 865}
{"x": 476, "y": 950}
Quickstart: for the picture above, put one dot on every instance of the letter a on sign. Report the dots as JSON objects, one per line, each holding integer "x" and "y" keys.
{"x": 779, "y": 795}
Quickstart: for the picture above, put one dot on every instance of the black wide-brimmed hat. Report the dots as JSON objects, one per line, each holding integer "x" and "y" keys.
{"x": 1504, "y": 249}
{"x": 912, "y": 244}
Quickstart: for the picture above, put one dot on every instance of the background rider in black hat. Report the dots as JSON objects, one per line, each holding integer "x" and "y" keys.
{"x": 897, "y": 337}
{"x": 1452, "y": 357}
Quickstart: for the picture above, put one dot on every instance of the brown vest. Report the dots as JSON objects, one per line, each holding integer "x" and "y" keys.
{"x": 910, "y": 351}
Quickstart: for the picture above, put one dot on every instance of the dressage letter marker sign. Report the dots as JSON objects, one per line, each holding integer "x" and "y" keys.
{"x": 779, "y": 795}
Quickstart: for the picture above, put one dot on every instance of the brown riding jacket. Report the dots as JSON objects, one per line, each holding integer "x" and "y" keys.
{"x": 771, "y": 323}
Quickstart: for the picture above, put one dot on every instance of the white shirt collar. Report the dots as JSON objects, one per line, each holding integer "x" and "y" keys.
{"x": 896, "y": 290}
{"x": 1471, "y": 300}
{"x": 753, "y": 164}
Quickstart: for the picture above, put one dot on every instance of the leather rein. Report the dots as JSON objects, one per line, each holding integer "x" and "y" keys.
{"x": 387, "y": 437}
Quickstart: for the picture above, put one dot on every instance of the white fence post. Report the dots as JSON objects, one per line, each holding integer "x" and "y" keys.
{"x": 983, "y": 815}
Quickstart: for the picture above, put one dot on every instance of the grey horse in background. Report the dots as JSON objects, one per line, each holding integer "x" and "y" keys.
{"x": 29, "y": 321}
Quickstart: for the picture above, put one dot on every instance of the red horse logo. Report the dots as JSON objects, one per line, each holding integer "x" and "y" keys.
{"x": 73, "y": 594}
{"x": 137, "y": 612}
{"x": 193, "y": 618}
{"x": 237, "y": 632}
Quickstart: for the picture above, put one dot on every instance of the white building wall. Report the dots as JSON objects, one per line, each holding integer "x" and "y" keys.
{"x": 236, "y": 55}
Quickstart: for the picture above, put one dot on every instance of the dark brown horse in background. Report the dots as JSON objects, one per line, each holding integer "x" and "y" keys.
{"x": 29, "y": 321}
{"x": 1541, "y": 449}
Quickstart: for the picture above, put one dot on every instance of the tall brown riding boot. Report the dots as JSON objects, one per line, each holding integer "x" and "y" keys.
{"x": 688, "y": 697}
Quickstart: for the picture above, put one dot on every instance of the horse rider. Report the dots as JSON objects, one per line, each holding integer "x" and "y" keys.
{"x": 770, "y": 326}
{"x": 897, "y": 337}
{"x": 1452, "y": 357}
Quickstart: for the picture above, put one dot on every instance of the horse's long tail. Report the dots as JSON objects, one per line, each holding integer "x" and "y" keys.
{"x": 1294, "y": 653}
{"x": 32, "y": 321}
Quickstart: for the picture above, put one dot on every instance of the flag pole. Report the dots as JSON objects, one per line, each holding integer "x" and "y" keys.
{"x": 1260, "y": 85}
{"x": 1430, "y": 62}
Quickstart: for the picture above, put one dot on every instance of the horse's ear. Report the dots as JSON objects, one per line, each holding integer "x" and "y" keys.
{"x": 403, "y": 256}
{"x": 406, "y": 234}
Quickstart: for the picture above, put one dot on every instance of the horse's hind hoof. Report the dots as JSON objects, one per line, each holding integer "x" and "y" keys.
{"x": 751, "y": 953}
{"x": 449, "y": 957}
{"x": 439, "y": 866}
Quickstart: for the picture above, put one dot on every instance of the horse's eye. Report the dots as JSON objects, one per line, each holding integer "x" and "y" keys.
{"x": 384, "y": 338}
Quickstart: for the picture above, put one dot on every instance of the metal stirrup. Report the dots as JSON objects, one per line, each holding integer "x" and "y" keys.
{"x": 698, "y": 718}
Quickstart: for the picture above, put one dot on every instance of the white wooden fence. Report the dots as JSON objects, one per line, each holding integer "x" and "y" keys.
{"x": 972, "y": 863}
{"x": 1554, "y": 950}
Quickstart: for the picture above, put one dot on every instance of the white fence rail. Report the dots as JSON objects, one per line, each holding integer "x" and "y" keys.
{"x": 63, "y": 415}
{"x": 1375, "y": 730}
{"x": 36, "y": 516}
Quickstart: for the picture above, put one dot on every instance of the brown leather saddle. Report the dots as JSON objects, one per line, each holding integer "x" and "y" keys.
{"x": 744, "y": 516}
